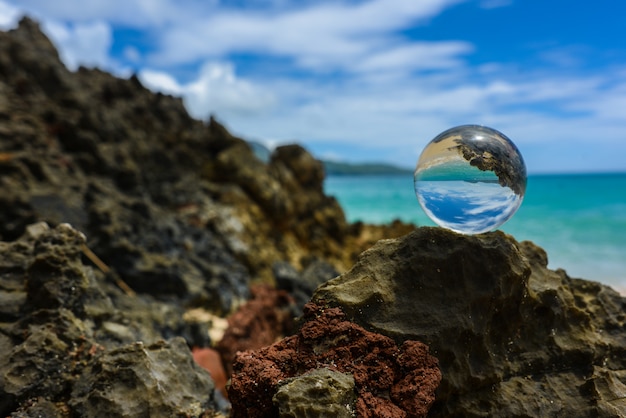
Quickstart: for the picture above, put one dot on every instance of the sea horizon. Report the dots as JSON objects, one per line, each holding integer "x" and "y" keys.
{"x": 578, "y": 218}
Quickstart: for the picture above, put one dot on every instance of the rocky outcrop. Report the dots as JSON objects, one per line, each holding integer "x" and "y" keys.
{"x": 178, "y": 217}
{"x": 301, "y": 285}
{"x": 513, "y": 338}
{"x": 173, "y": 206}
{"x": 156, "y": 380}
{"x": 72, "y": 341}
{"x": 390, "y": 381}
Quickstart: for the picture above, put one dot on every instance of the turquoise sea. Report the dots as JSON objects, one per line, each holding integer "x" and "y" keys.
{"x": 579, "y": 219}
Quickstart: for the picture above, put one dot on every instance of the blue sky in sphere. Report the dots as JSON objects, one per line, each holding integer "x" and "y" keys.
{"x": 370, "y": 80}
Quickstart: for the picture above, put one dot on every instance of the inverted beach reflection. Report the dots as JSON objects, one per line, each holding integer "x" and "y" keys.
{"x": 468, "y": 207}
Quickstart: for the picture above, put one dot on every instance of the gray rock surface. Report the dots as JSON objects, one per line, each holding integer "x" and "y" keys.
{"x": 159, "y": 380}
{"x": 319, "y": 393}
{"x": 513, "y": 338}
{"x": 69, "y": 339}
{"x": 301, "y": 285}
{"x": 119, "y": 163}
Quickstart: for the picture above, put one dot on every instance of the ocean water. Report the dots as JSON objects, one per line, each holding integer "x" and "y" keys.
{"x": 580, "y": 220}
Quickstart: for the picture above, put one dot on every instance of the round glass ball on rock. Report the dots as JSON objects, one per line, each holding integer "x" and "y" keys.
{"x": 470, "y": 179}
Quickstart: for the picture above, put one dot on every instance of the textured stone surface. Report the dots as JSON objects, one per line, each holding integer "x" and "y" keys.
{"x": 119, "y": 163}
{"x": 179, "y": 214}
{"x": 138, "y": 380}
{"x": 68, "y": 337}
{"x": 319, "y": 393}
{"x": 513, "y": 338}
{"x": 175, "y": 207}
{"x": 395, "y": 381}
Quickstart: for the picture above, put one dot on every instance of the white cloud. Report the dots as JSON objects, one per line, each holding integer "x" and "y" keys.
{"x": 607, "y": 104}
{"x": 216, "y": 90}
{"x": 416, "y": 56}
{"x": 132, "y": 54}
{"x": 324, "y": 36}
{"x": 160, "y": 81}
{"x": 133, "y": 13}
{"x": 8, "y": 16}
{"x": 86, "y": 44}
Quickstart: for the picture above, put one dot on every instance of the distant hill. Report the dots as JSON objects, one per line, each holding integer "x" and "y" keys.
{"x": 336, "y": 168}
{"x": 341, "y": 168}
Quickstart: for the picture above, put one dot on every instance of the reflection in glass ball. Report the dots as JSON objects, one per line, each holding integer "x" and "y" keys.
{"x": 470, "y": 179}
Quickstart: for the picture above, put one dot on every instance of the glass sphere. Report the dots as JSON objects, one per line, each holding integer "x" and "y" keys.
{"x": 470, "y": 179}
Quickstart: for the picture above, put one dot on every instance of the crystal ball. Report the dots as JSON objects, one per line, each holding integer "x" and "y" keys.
{"x": 470, "y": 179}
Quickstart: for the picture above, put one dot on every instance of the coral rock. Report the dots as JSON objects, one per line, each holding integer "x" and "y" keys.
{"x": 320, "y": 393}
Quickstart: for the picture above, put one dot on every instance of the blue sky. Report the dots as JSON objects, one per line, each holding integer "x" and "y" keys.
{"x": 370, "y": 80}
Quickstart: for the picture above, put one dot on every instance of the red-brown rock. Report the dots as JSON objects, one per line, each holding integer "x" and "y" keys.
{"x": 261, "y": 321}
{"x": 370, "y": 406}
{"x": 211, "y": 361}
{"x": 391, "y": 381}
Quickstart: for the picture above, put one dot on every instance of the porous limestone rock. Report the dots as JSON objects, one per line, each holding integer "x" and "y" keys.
{"x": 68, "y": 338}
{"x": 176, "y": 214}
{"x": 319, "y": 393}
{"x": 513, "y": 338}
{"x": 158, "y": 380}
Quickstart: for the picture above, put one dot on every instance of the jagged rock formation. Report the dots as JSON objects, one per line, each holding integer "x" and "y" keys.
{"x": 173, "y": 206}
{"x": 176, "y": 214}
{"x": 513, "y": 338}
